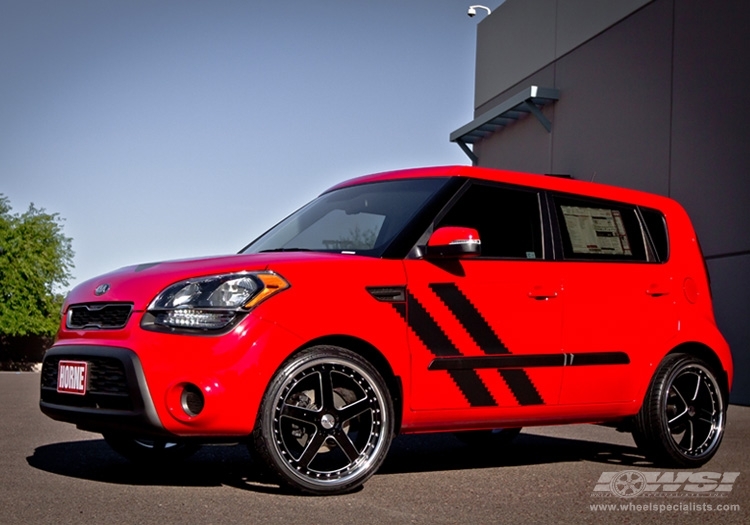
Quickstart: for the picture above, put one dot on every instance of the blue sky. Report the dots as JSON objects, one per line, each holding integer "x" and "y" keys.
{"x": 173, "y": 129}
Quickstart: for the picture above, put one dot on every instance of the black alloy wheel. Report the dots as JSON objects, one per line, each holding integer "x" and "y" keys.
{"x": 326, "y": 421}
{"x": 682, "y": 419}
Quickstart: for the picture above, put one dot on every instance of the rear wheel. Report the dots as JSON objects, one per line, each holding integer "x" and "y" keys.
{"x": 150, "y": 450}
{"x": 682, "y": 419}
{"x": 326, "y": 421}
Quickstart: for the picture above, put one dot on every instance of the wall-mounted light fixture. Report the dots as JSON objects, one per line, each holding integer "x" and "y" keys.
{"x": 473, "y": 10}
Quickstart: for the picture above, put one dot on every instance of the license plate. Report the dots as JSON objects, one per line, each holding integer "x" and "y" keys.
{"x": 72, "y": 377}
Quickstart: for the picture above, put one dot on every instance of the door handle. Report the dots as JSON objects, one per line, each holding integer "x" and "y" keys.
{"x": 657, "y": 290}
{"x": 543, "y": 293}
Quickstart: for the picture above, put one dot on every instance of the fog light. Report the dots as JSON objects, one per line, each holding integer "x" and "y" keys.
{"x": 192, "y": 400}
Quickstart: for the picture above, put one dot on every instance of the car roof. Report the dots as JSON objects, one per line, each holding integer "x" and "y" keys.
{"x": 532, "y": 180}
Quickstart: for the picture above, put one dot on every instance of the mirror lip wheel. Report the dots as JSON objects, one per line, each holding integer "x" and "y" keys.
{"x": 669, "y": 419}
{"x": 276, "y": 445}
{"x": 706, "y": 380}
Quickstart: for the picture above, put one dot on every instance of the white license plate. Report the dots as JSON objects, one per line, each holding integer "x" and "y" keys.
{"x": 72, "y": 377}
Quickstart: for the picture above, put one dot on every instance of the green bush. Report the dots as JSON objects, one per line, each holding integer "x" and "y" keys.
{"x": 35, "y": 263}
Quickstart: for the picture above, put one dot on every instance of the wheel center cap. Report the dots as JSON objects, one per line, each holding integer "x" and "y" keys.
{"x": 327, "y": 421}
{"x": 691, "y": 411}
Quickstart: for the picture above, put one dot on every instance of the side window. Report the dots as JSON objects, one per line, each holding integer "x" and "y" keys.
{"x": 657, "y": 229}
{"x": 599, "y": 230}
{"x": 508, "y": 220}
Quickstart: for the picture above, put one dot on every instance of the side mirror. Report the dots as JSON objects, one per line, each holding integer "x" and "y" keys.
{"x": 453, "y": 242}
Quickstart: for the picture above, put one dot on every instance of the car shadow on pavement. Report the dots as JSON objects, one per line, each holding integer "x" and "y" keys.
{"x": 233, "y": 466}
{"x": 440, "y": 452}
{"x": 94, "y": 460}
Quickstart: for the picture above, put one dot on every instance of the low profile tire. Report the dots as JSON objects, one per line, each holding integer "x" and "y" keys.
{"x": 325, "y": 423}
{"x": 489, "y": 438}
{"x": 682, "y": 419}
{"x": 148, "y": 450}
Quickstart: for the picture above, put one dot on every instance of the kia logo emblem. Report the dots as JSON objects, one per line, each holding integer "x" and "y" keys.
{"x": 101, "y": 289}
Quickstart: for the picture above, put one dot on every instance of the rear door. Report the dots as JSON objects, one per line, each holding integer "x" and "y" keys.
{"x": 618, "y": 300}
{"x": 485, "y": 333}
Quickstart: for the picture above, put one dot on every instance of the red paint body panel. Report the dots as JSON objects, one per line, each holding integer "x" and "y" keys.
{"x": 546, "y": 313}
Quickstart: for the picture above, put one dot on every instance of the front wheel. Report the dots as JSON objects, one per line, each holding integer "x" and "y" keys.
{"x": 325, "y": 422}
{"x": 682, "y": 419}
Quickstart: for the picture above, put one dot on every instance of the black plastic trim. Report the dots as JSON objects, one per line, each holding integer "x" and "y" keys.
{"x": 139, "y": 418}
{"x": 529, "y": 361}
{"x": 388, "y": 294}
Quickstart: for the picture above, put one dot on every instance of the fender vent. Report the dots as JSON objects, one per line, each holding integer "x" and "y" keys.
{"x": 388, "y": 294}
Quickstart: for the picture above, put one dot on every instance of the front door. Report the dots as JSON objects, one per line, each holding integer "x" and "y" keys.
{"x": 485, "y": 333}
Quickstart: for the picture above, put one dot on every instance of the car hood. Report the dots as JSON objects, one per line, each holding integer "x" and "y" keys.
{"x": 140, "y": 284}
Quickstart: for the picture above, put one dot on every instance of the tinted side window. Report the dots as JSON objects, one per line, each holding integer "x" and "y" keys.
{"x": 508, "y": 220}
{"x": 599, "y": 230}
{"x": 657, "y": 229}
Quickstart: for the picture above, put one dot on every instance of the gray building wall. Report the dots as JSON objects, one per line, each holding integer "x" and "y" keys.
{"x": 652, "y": 97}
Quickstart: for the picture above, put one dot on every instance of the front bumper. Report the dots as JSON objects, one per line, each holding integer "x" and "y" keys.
{"x": 117, "y": 398}
{"x": 136, "y": 379}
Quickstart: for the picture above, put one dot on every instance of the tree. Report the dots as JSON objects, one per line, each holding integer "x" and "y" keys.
{"x": 35, "y": 263}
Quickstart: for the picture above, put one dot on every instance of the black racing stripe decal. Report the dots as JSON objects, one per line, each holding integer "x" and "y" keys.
{"x": 522, "y": 387}
{"x": 467, "y": 314}
{"x": 478, "y": 328}
{"x": 529, "y": 361}
{"x": 400, "y": 308}
{"x": 437, "y": 342}
{"x": 473, "y": 388}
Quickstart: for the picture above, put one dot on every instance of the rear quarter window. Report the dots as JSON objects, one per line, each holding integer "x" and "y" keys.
{"x": 657, "y": 229}
{"x": 597, "y": 230}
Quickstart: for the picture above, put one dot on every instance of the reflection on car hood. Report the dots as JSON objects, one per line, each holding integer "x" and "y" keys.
{"x": 139, "y": 284}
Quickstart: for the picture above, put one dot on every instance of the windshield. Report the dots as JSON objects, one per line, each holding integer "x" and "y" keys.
{"x": 361, "y": 219}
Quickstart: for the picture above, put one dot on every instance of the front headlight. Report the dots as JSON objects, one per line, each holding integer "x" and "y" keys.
{"x": 210, "y": 303}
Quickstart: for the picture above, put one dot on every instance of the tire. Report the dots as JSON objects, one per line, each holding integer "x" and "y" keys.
{"x": 681, "y": 422}
{"x": 150, "y": 451}
{"x": 325, "y": 423}
{"x": 489, "y": 438}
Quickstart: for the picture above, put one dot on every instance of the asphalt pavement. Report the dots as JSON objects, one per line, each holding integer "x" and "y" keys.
{"x": 52, "y": 473}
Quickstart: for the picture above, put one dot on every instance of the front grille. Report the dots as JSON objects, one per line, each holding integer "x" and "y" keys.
{"x": 107, "y": 384}
{"x": 95, "y": 316}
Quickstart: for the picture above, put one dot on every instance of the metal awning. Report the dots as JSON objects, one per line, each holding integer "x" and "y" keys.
{"x": 530, "y": 100}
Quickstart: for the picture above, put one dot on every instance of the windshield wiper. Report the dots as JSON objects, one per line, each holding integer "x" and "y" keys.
{"x": 286, "y": 250}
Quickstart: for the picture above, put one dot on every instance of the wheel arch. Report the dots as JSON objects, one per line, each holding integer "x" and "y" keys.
{"x": 706, "y": 354}
{"x": 376, "y": 358}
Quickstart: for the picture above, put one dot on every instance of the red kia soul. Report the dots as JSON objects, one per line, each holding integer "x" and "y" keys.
{"x": 455, "y": 299}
